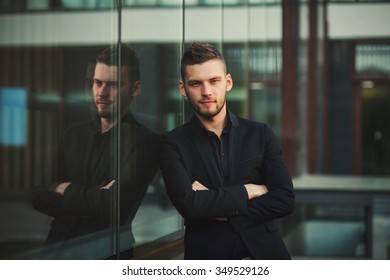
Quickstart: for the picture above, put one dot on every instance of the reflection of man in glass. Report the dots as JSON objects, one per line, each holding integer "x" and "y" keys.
{"x": 84, "y": 197}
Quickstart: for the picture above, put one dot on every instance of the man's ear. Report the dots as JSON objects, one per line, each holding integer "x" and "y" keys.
{"x": 229, "y": 82}
{"x": 137, "y": 86}
{"x": 182, "y": 88}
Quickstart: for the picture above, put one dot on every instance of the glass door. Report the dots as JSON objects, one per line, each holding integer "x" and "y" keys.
{"x": 375, "y": 129}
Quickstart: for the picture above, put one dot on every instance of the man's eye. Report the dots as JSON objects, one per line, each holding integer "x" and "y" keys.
{"x": 194, "y": 84}
{"x": 97, "y": 83}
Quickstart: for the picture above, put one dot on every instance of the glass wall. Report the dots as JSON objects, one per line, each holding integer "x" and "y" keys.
{"x": 50, "y": 84}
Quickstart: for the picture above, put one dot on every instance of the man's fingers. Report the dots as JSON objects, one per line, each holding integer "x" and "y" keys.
{"x": 196, "y": 186}
{"x": 108, "y": 186}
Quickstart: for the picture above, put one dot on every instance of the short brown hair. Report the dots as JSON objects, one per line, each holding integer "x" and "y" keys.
{"x": 129, "y": 59}
{"x": 198, "y": 53}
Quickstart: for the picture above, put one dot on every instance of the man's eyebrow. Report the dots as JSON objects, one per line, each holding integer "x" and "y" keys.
{"x": 112, "y": 83}
{"x": 193, "y": 81}
{"x": 107, "y": 82}
{"x": 212, "y": 78}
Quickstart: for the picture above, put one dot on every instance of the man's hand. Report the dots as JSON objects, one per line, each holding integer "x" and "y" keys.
{"x": 60, "y": 189}
{"x": 108, "y": 186}
{"x": 196, "y": 186}
{"x": 255, "y": 190}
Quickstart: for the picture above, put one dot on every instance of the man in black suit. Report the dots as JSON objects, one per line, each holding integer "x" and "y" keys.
{"x": 92, "y": 156}
{"x": 224, "y": 174}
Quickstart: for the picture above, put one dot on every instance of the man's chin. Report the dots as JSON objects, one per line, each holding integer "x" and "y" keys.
{"x": 105, "y": 115}
{"x": 209, "y": 114}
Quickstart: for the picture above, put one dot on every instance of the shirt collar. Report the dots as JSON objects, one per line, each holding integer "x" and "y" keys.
{"x": 127, "y": 118}
{"x": 231, "y": 122}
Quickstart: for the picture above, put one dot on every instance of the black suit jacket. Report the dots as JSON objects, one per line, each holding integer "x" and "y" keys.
{"x": 255, "y": 157}
{"x": 87, "y": 159}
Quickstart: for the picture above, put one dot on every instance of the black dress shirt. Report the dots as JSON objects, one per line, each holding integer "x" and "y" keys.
{"x": 88, "y": 159}
{"x": 220, "y": 147}
{"x": 221, "y": 152}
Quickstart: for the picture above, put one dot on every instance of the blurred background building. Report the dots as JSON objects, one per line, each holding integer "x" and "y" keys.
{"x": 318, "y": 71}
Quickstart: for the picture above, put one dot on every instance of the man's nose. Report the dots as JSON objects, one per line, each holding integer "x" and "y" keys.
{"x": 206, "y": 90}
{"x": 103, "y": 91}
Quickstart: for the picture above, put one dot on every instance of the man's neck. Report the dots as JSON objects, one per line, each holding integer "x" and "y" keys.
{"x": 215, "y": 124}
{"x": 106, "y": 124}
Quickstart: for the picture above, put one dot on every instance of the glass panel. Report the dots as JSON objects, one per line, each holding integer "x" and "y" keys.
{"x": 372, "y": 60}
{"x": 156, "y": 35}
{"x": 43, "y": 95}
{"x": 49, "y": 87}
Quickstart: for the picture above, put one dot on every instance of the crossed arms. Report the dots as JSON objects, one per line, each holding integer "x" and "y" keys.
{"x": 253, "y": 191}
{"x": 244, "y": 202}
{"x": 69, "y": 198}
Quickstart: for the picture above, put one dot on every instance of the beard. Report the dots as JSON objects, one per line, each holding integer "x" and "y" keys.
{"x": 207, "y": 113}
{"x": 111, "y": 113}
{"x": 105, "y": 114}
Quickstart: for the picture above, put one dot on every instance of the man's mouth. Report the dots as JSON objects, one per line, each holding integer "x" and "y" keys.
{"x": 207, "y": 101}
{"x": 102, "y": 102}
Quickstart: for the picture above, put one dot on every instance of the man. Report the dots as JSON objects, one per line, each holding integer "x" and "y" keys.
{"x": 224, "y": 174}
{"x": 84, "y": 198}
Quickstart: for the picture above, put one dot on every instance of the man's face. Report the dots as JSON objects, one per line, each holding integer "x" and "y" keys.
{"x": 106, "y": 92}
{"x": 206, "y": 86}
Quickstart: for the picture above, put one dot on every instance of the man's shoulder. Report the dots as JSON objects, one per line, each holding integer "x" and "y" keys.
{"x": 145, "y": 132}
{"x": 130, "y": 125}
{"x": 179, "y": 135}
{"x": 186, "y": 129}
{"x": 243, "y": 122}
{"x": 179, "y": 131}
{"x": 80, "y": 127}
